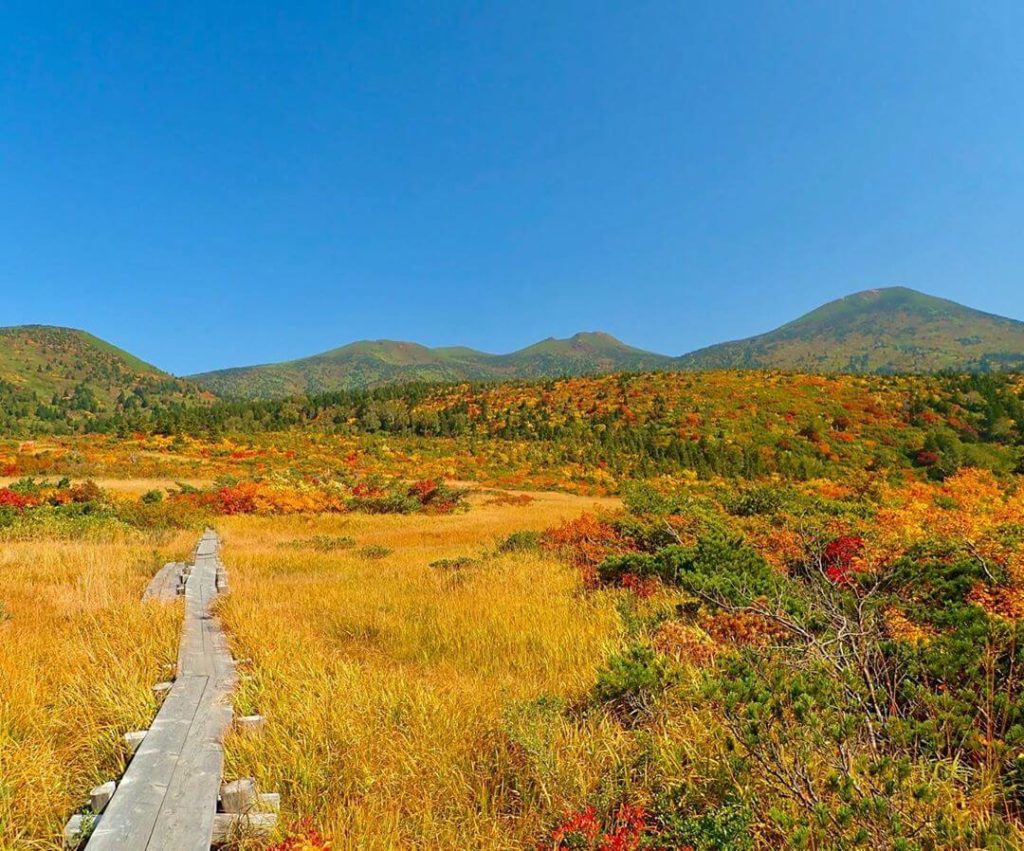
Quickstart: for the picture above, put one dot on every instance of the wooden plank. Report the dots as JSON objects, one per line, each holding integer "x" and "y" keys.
{"x": 167, "y": 797}
{"x": 132, "y": 812}
{"x": 164, "y": 585}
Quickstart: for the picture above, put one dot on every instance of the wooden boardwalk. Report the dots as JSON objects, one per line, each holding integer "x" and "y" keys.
{"x": 164, "y": 586}
{"x": 167, "y": 798}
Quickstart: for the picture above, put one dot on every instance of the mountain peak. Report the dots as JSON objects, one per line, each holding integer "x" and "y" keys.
{"x": 891, "y": 329}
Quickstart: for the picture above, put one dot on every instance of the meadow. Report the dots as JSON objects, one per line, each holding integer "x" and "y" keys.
{"x": 80, "y": 653}
{"x": 395, "y": 659}
{"x": 634, "y": 612}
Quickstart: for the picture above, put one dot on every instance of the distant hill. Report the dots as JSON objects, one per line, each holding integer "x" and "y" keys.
{"x": 878, "y": 331}
{"x": 62, "y": 374}
{"x": 372, "y": 363}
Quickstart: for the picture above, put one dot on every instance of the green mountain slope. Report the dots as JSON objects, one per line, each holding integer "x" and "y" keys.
{"x": 880, "y": 331}
{"x": 62, "y": 374}
{"x": 373, "y": 363}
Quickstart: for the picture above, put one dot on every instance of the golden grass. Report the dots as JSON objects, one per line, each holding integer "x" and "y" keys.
{"x": 404, "y": 701}
{"x": 78, "y": 655}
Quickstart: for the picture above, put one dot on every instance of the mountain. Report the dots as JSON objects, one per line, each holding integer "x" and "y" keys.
{"x": 878, "y": 331}
{"x": 55, "y": 373}
{"x": 371, "y": 363}
{"x": 64, "y": 376}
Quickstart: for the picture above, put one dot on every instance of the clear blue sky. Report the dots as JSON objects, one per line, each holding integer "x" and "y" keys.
{"x": 216, "y": 183}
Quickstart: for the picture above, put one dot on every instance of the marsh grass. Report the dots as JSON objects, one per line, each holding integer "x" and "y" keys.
{"x": 407, "y": 710}
{"x": 79, "y": 655}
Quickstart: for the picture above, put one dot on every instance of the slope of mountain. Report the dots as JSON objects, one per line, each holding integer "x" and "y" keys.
{"x": 372, "y": 363}
{"x": 881, "y": 331}
{"x": 51, "y": 372}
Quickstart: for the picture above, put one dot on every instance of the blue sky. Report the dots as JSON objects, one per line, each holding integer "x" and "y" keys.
{"x": 213, "y": 183}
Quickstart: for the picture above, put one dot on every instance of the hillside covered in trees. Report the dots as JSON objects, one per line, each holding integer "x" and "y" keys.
{"x": 61, "y": 379}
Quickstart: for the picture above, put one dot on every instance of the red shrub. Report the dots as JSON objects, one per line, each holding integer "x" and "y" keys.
{"x": 580, "y": 830}
{"x": 238, "y": 499}
{"x": 585, "y": 830}
{"x": 10, "y": 499}
{"x": 586, "y": 542}
{"x": 424, "y": 490}
{"x": 840, "y": 556}
{"x": 367, "y": 490}
{"x": 639, "y": 585}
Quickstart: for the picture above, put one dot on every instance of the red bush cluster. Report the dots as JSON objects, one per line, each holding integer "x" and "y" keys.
{"x": 840, "y": 557}
{"x": 237, "y": 499}
{"x": 367, "y": 490}
{"x": 586, "y": 542}
{"x": 640, "y": 585}
{"x": 585, "y": 830}
{"x": 11, "y": 499}
{"x": 434, "y": 496}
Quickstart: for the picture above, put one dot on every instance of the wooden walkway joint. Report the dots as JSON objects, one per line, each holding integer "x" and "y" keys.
{"x": 168, "y": 797}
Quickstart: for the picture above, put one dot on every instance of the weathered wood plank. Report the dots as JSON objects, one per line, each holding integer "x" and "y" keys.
{"x": 164, "y": 585}
{"x": 167, "y": 797}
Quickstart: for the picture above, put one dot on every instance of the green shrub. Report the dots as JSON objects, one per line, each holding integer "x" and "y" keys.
{"x": 646, "y": 536}
{"x": 520, "y": 542}
{"x": 758, "y": 500}
{"x": 322, "y": 543}
{"x": 727, "y": 826}
{"x": 723, "y": 568}
{"x": 613, "y": 568}
{"x": 643, "y": 499}
{"x": 393, "y": 502}
{"x": 630, "y": 681}
{"x": 375, "y": 551}
{"x": 453, "y": 563}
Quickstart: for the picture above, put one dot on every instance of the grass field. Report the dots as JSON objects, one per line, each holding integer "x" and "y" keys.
{"x": 447, "y": 678}
{"x": 401, "y": 697}
{"x": 79, "y": 655}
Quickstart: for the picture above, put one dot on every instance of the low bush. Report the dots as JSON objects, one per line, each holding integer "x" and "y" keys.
{"x": 630, "y": 681}
{"x": 453, "y": 563}
{"x": 520, "y": 542}
{"x": 322, "y": 543}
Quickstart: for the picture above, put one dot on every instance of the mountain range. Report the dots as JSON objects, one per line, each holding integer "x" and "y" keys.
{"x": 876, "y": 331}
{"x": 374, "y": 362}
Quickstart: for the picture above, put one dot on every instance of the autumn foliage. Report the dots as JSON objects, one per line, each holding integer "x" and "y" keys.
{"x": 587, "y": 831}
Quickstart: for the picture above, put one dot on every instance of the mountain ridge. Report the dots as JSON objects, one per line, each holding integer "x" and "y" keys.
{"x": 881, "y": 330}
{"x": 370, "y": 363}
{"x": 887, "y": 330}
